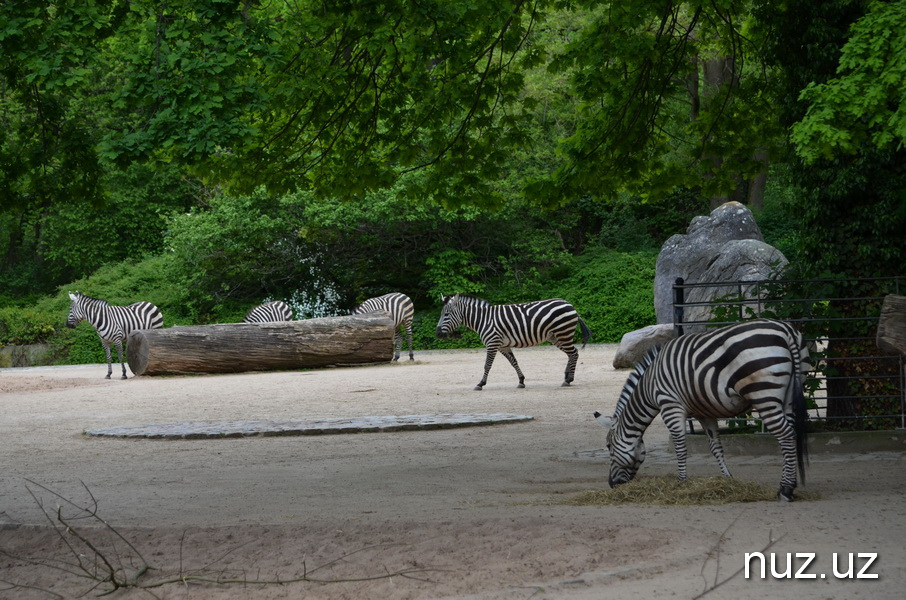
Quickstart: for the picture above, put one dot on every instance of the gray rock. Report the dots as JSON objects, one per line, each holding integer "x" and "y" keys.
{"x": 739, "y": 260}
{"x": 634, "y": 344}
{"x": 711, "y": 251}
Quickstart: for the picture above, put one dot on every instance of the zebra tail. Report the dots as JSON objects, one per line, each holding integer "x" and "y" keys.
{"x": 586, "y": 332}
{"x": 800, "y": 422}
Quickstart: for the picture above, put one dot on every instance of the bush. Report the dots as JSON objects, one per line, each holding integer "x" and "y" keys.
{"x": 612, "y": 291}
{"x": 26, "y": 325}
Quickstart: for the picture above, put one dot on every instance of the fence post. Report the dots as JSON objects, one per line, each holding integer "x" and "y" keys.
{"x": 678, "y": 299}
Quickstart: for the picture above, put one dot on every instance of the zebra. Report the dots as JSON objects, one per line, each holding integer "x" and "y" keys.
{"x": 401, "y": 309}
{"x": 507, "y": 326}
{"x": 113, "y": 323}
{"x": 269, "y": 312}
{"x": 719, "y": 373}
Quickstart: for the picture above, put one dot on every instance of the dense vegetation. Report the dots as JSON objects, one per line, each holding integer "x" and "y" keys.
{"x": 208, "y": 155}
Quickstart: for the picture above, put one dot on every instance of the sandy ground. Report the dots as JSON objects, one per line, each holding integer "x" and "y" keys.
{"x": 452, "y": 513}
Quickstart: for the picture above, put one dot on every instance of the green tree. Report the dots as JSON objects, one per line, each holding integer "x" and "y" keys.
{"x": 865, "y": 103}
{"x": 848, "y": 176}
{"x": 51, "y": 64}
{"x": 672, "y": 94}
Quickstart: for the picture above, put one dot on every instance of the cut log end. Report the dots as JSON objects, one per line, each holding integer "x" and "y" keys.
{"x": 892, "y": 324}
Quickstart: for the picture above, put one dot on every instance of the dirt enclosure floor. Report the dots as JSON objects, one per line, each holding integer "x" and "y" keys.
{"x": 473, "y": 512}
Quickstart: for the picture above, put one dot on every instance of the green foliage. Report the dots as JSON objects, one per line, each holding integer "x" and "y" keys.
{"x": 670, "y": 94}
{"x": 865, "y": 103}
{"x": 777, "y": 219}
{"x": 424, "y": 334}
{"x": 82, "y": 346}
{"x": 26, "y": 325}
{"x": 47, "y": 62}
{"x": 44, "y": 244}
{"x": 613, "y": 292}
{"x": 236, "y": 252}
{"x": 852, "y": 213}
{"x": 452, "y": 271}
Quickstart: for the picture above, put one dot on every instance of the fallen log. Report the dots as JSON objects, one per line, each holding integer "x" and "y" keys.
{"x": 237, "y": 347}
{"x": 891, "y": 335}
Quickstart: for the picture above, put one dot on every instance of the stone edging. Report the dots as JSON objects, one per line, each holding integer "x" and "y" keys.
{"x": 240, "y": 429}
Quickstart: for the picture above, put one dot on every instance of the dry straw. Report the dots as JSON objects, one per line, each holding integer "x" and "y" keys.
{"x": 668, "y": 491}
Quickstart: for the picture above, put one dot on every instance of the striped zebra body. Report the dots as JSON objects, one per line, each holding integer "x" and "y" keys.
{"x": 756, "y": 365}
{"x": 507, "y": 326}
{"x": 401, "y": 310}
{"x": 269, "y": 312}
{"x": 113, "y": 323}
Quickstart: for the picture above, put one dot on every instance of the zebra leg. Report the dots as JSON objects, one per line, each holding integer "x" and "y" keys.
{"x": 674, "y": 420}
{"x": 409, "y": 339}
{"x": 512, "y": 358}
{"x": 109, "y": 358}
{"x": 775, "y": 421}
{"x": 397, "y": 344}
{"x": 714, "y": 444}
{"x": 119, "y": 352}
{"x": 570, "y": 374}
{"x": 492, "y": 352}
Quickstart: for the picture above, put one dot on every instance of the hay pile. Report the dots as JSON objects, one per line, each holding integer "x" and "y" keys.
{"x": 668, "y": 491}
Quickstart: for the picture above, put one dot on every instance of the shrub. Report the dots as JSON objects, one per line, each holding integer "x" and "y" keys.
{"x": 26, "y": 325}
{"x": 613, "y": 291}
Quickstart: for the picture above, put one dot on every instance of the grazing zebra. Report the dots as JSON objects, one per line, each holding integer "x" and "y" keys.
{"x": 720, "y": 373}
{"x": 401, "y": 310}
{"x": 509, "y": 326}
{"x": 113, "y": 323}
{"x": 269, "y": 312}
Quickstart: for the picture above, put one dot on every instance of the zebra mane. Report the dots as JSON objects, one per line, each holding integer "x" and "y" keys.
{"x": 82, "y": 296}
{"x": 469, "y": 299}
{"x": 632, "y": 382}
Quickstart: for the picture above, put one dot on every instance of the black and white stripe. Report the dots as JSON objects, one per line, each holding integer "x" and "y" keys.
{"x": 401, "y": 310}
{"x": 507, "y": 326}
{"x": 113, "y": 323}
{"x": 756, "y": 365}
{"x": 269, "y": 312}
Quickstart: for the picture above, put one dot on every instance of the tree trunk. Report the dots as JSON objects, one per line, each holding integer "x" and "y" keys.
{"x": 237, "y": 347}
{"x": 758, "y": 183}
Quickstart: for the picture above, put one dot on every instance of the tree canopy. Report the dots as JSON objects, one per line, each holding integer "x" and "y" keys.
{"x": 124, "y": 121}
{"x": 343, "y": 97}
{"x": 865, "y": 104}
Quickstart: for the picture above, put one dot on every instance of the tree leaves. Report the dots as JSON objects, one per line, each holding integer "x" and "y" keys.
{"x": 865, "y": 102}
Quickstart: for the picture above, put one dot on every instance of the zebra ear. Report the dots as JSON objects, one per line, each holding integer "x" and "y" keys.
{"x": 72, "y": 296}
{"x": 604, "y": 420}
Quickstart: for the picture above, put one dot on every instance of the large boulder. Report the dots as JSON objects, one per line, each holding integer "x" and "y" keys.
{"x": 725, "y": 246}
{"x": 739, "y": 260}
{"x": 635, "y": 344}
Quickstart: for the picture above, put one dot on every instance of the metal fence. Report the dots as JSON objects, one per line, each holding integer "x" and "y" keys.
{"x": 840, "y": 325}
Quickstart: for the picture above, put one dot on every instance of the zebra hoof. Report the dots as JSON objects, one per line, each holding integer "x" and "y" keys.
{"x": 521, "y": 385}
{"x": 564, "y": 384}
{"x": 124, "y": 377}
{"x": 478, "y": 388}
{"x": 785, "y": 494}
{"x": 108, "y": 376}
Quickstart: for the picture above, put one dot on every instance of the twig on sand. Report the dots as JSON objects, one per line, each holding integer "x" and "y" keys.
{"x": 98, "y": 553}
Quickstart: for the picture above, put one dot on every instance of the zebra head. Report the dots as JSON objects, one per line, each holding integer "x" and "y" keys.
{"x": 76, "y": 310}
{"x": 627, "y": 452}
{"x": 451, "y": 316}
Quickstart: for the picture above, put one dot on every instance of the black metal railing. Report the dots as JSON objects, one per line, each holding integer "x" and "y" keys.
{"x": 865, "y": 386}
